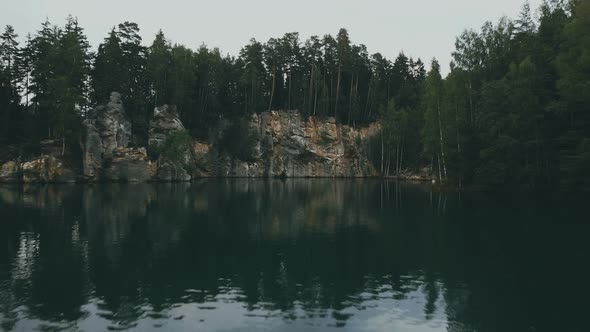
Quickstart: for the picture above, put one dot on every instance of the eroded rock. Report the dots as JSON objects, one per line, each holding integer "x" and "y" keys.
{"x": 163, "y": 125}
{"x": 47, "y": 169}
{"x": 290, "y": 146}
{"x": 107, "y": 155}
{"x": 128, "y": 165}
{"x": 164, "y": 122}
{"x": 10, "y": 172}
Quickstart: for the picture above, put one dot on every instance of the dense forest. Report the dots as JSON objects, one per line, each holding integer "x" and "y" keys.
{"x": 514, "y": 108}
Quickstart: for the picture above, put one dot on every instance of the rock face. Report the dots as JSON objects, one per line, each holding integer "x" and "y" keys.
{"x": 273, "y": 144}
{"x": 172, "y": 172}
{"x": 287, "y": 145}
{"x": 163, "y": 125}
{"x": 42, "y": 169}
{"x": 127, "y": 165}
{"x": 107, "y": 155}
{"x": 10, "y": 172}
{"x": 164, "y": 122}
{"x": 46, "y": 169}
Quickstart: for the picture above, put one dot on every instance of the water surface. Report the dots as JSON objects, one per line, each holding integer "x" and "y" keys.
{"x": 298, "y": 255}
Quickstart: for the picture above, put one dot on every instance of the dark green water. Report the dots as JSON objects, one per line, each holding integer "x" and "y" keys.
{"x": 300, "y": 255}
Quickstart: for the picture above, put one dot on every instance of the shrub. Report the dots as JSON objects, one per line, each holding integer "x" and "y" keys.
{"x": 177, "y": 144}
{"x": 239, "y": 141}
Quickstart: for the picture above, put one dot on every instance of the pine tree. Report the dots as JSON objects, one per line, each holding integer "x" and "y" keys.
{"x": 10, "y": 75}
{"x": 343, "y": 54}
{"x": 253, "y": 75}
{"x": 120, "y": 66}
{"x": 158, "y": 69}
{"x": 434, "y": 132}
{"x": 108, "y": 74}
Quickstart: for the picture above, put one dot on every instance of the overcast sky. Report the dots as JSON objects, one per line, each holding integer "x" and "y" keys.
{"x": 421, "y": 28}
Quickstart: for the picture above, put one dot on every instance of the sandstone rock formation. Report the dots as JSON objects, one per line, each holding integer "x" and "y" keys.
{"x": 273, "y": 144}
{"x": 107, "y": 155}
{"x": 46, "y": 169}
{"x": 10, "y": 172}
{"x": 127, "y": 165}
{"x": 41, "y": 169}
{"x": 288, "y": 145}
{"x": 164, "y": 122}
{"x": 163, "y": 125}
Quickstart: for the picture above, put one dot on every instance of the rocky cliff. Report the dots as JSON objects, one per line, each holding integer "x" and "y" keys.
{"x": 269, "y": 144}
{"x": 107, "y": 155}
{"x": 163, "y": 127}
{"x": 285, "y": 144}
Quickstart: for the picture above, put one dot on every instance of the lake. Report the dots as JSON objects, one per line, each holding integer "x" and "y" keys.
{"x": 294, "y": 255}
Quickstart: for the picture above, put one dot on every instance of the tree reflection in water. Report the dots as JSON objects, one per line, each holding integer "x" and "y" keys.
{"x": 289, "y": 255}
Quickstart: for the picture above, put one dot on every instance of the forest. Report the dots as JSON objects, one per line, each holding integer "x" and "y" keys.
{"x": 513, "y": 110}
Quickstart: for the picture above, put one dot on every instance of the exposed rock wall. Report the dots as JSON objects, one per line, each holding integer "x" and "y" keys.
{"x": 287, "y": 145}
{"x": 164, "y": 123}
{"x": 107, "y": 155}
{"x": 279, "y": 144}
{"x": 127, "y": 165}
{"x": 47, "y": 169}
{"x": 42, "y": 169}
{"x": 10, "y": 172}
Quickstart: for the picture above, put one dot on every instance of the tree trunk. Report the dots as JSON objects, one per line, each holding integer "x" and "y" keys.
{"x": 388, "y": 164}
{"x": 337, "y": 90}
{"x": 315, "y": 100}
{"x": 289, "y": 97}
{"x": 439, "y": 169}
{"x": 401, "y": 158}
{"x": 366, "y": 112}
{"x": 350, "y": 99}
{"x": 311, "y": 88}
{"x": 537, "y": 152}
{"x": 27, "y": 90}
{"x": 397, "y": 160}
{"x": 253, "y": 96}
{"x": 442, "y": 151}
{"x": 63, "y": 140}
{"x": 471, "y": 102}
{"x": 457, "y": 128}
{"x": 382, "y": 150}
{"x": 272, "y": 90}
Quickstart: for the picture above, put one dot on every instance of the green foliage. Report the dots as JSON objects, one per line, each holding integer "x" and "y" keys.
{"x": 120, "y": 66}
{"x": 59, "y": 62}
{"x": 9, "y": 88}
{"x": 159, "y": 68}
{"x": 239, "y": 141}
{"x": 175, "y": 148}
{"x": 177, "y": 145}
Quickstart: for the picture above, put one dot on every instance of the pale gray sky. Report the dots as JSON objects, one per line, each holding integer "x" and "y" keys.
{"x": 421, "y": 28}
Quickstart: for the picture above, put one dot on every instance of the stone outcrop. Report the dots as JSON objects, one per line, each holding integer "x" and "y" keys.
{"x": 269, "y": 144}
{"x": 42, "y": 169}
{"x": 169, "y": 172}
{"x": 10, "y": 172}
{"x": 164, "y": 123}
{"x": 127, "y": 165}
{"x": 47, "y": 169}
{"x": 287, "y": 145}
{"x": 107, "y": 155}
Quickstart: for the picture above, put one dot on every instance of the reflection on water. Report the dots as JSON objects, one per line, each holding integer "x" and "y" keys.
{"x": 253, "y": 255}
